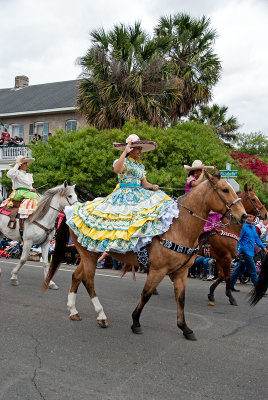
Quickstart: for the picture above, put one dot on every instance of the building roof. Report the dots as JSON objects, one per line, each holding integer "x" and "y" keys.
{"x": 48, "y": 97}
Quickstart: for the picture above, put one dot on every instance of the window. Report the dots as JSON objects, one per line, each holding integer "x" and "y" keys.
{"x": 40, "y": 128}
{"x": 70, "y": 125}
{"x": 17, "y": 130}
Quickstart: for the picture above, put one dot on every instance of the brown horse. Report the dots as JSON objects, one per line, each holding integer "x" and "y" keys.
{"x": 223, "y": 248}
{"x": 213, "y": 194}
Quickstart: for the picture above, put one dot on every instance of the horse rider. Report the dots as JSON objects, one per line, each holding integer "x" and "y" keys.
{"x": 22, "y": 185}
{"x": 128, "y": 218}
{"x": 195, "y": 174}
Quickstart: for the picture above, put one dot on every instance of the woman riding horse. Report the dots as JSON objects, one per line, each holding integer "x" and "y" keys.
{"x": 129, "y": 218}
{"x": 22, "y": 185}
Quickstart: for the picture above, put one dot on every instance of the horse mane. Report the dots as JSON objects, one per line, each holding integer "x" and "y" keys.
{"x": 44, "y": 203}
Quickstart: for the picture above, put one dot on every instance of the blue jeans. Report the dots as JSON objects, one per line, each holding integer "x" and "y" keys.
{"x": 246, "y": 262}
{"x": 207, "y": 263}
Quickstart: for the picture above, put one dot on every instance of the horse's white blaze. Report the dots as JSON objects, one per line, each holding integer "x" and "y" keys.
{"x": 98, "y": 308}
{"x": 71, "y": 303}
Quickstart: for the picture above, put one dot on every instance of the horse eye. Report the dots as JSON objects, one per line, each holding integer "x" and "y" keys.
{"x": 253, "y": 200}
{"x": 70, "y": 196}
{"x": 225, "y": 190}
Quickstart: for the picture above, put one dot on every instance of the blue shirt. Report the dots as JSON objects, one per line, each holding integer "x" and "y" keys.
{"x": 248, "y": 238}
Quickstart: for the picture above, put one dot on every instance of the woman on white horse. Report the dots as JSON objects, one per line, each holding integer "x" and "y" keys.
{"x": 22, "y": 185}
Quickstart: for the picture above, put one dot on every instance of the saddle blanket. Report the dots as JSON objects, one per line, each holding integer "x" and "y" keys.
{"x": 4, "y": 212}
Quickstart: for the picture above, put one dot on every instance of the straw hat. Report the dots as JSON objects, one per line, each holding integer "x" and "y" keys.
{"x": 197, "y": 164}
{"x": 24, "y": 160}
{"x": 146, "y": 145}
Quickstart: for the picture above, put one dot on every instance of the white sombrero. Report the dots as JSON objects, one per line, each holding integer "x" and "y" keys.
{"x": 197, "y": 164}
{"x": 136, "y": 142}
{"x": 24, "y": 160}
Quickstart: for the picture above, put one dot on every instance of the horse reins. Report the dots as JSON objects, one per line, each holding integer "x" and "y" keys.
{"x": 254, "y": 205}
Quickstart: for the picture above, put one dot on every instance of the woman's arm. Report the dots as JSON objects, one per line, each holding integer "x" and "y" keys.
{"x": 119, "y": 165}
{"x": 148, "y": 185}
{"x": 13, "y": 171}
{"x": 199, "y": 180}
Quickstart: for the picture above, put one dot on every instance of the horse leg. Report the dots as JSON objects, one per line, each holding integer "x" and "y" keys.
{"x": 212, "y": 288}
{"x": 76, "y": 280}
{"x": 227, "y": 277}
{"x": 225, "y": 272}
{"x": 153, "y": 279}
{"x": 27, "y": 244}
{"x": 44, "y": 248}
{"x": 88, "y": 282}
{"x": 179, "y": 281}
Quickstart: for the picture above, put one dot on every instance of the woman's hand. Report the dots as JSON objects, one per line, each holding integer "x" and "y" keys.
{"x": 155, "y": 187}
{"x": 128, "y": 148}
{"x": 32, "y": 190}
{"x": 20, "y": 160}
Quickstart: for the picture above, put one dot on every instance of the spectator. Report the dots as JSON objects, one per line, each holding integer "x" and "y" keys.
{"x": 4, "y": 243}
{"x": 208, "y": 265}
{"x": 51, "y": 249}
{"x": 70, "y": 248}
{"x": 246, "y": 248}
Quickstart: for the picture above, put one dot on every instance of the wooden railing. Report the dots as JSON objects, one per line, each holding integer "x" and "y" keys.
{"x": 11, "y": 153}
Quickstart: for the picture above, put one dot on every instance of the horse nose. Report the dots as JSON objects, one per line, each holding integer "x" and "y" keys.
{"x": 243, "y": 218}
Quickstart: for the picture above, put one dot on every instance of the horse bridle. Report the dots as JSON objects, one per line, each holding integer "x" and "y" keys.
{"x": 49, "y": 230}
{"x": 228, "y": 206}
{"x": 254, "y": 205}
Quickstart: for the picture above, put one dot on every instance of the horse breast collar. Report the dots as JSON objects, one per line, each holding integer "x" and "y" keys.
{"x": 227, "y": 234}
{"x": 178, "y": 248}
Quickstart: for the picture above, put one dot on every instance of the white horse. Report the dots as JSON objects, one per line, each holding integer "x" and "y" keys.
{"x": 39, "y": 227}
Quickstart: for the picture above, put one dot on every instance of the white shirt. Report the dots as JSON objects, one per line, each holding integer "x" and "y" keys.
{"x": 20, "y": 178}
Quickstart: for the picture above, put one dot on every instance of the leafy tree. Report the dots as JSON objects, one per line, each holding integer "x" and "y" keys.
{"x": 216, "y": 117}
{"x": 124, "y": 75}
{"x": 190, "y": 51}
{"x": 128, "y": 74}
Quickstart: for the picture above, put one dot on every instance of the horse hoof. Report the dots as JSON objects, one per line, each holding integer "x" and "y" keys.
{"x": 103, "y": 323}
{"x": 76, "y": 317}
{"x": 210, "y": 303}
{"x": 14, "y": 282}
{"x": 233, "y": 302}
{"x": 190, "y": 336}
{"x": 53, "y": 286}
{"x": 137, "y": 329}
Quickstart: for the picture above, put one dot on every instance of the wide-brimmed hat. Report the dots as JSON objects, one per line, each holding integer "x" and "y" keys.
{"x": 197, "y": 164}
{"x": 146, "y": 145}
{"x": 25, "y": 160}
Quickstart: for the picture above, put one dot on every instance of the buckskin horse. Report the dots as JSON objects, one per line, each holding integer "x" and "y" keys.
{"x": 213, "y": 194}
{"x": 39, "y": 227}
{"x": 224, "y": 241}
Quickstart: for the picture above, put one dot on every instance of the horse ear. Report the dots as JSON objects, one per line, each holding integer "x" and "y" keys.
{"x": 246, "y": 187}
{"x": 65, "y": 184}
{"x": 74, "y": 186}
{"x": 215, "y": 177}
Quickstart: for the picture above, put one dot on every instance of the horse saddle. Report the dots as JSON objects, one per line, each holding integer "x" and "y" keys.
{"x": 13, "y": 212}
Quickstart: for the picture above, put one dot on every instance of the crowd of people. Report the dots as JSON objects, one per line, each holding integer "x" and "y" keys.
{"x": 7, "y": 140}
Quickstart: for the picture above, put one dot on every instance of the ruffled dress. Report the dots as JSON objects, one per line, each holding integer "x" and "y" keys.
{"x": 127, "y": 219}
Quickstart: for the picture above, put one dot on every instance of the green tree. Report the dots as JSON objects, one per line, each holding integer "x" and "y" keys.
{"x": 189, "y": 48}
{"x": 128, "y": 74}
{"x": 124, "y": 75}
{"x": 216, "y": 117}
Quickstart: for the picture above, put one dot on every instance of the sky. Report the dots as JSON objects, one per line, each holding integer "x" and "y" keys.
{"x": 42, "y": 39}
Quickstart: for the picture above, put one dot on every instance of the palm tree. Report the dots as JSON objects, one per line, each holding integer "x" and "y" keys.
{"x": 189, "y": 48}
{"x": 124, "y": 75}
{"x": 216, "y": 117}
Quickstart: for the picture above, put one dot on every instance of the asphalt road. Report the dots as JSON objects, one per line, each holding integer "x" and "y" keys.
{"x": 44, "y": 355}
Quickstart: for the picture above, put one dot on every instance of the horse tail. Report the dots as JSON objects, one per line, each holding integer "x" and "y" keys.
{"x": 259, "y": 290}
{"x": 62, "y": 236}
